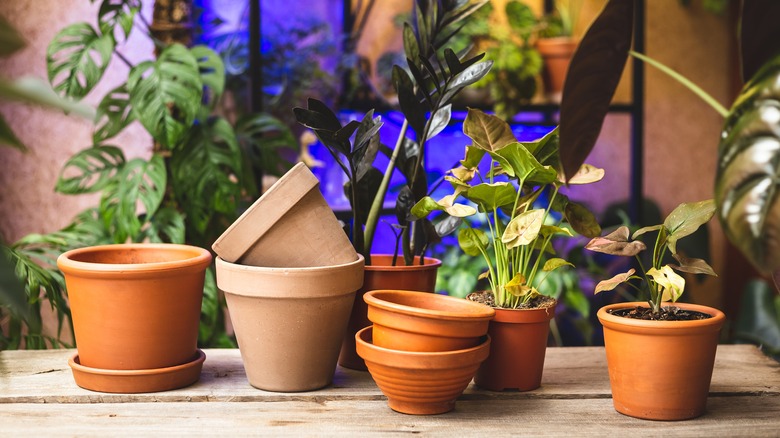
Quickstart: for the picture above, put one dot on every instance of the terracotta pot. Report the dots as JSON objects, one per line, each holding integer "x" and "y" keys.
{"x": 420, "y": 383}
{"x": 289, "y": 322}
{"x": 660, "y": 370}
{"x": 135, "y": 306}
{"x": 381, "y": 274}
{"x": 556, "y": 54}
{"x": 517, "y": 353}
{"x": 291, "y": 225}
{"x": 419, "y": 321}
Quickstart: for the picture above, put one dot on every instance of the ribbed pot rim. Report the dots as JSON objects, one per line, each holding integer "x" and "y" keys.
{"x": 429, "y": 263}
{"x": 620, "y": 323}
{"x": 69, "y": 265}
{"x": 440, "y": 306}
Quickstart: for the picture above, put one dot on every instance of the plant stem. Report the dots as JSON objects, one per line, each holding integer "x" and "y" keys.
{"x": 123, "y": 59}
{"x": 706, "y": 97}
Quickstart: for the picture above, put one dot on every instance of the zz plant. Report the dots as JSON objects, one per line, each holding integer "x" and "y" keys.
{"x": 520, "y": 200}
{"x": 196, "y": 170}
{"x": 661, "y": 281}
{"x": 432, "y": 77}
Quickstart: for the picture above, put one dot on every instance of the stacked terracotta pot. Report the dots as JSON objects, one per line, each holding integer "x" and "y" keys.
{"x": 423, "y": 349}
{"x": 289, "y": 274}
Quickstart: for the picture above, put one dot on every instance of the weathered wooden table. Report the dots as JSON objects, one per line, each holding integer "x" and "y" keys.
{"x": 38, "y": 397}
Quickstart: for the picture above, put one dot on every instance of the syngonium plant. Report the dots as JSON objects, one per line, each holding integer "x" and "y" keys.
{"x": 432, "y": 77}
{"x": 661, "y": 281}
{"x": 511, "y": 197}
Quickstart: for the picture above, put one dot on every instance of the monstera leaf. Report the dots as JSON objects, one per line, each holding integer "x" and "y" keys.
{"x": 746, "y": 185}
{"x": 77, "y": 58}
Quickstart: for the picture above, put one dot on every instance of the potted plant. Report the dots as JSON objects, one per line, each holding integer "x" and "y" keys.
{"x": 556, "y": 44}
{"x": 660, "y": 357}
{"x": 433, "y": 76}
{"x": 520, "y": 200}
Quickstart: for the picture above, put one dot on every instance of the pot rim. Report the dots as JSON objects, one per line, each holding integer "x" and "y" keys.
{"x": 66, "y": 263}
{"x": 453, "y": 308}
{"x": 613, "y": 321}
{"x": 434, "y": 263}
{"x": 424, "y": 360}
{"x": 272, "y": 270}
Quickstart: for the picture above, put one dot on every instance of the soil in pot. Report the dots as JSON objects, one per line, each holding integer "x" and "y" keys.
{"x": 519, "y": 344}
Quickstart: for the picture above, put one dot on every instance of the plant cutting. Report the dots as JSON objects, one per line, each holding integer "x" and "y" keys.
{"x": 670, "y": 349}
{"x": 520, "y": 200}
{"x": 432, "y": 77}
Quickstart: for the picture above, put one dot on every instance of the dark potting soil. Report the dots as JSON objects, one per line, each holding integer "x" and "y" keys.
{"x": 486, "y": 297}
{"x": 668, "y": 313}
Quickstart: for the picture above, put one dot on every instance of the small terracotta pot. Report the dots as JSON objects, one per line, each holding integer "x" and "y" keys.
{"x": 420, "y": 383}
{"x": 381, "y": 274}
{"x": 420, "y": 321}
{"x": 517, "y": 353}
{"x": 291, "y": 225}
{"x": 135, "y": 306}
{"x": 289, "y": 322}
{"x": 660, "y": 370}
{"x": 556, "y": 54}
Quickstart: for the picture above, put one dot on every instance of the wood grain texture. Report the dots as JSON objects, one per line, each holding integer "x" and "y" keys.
{"x": 39, "y": 397}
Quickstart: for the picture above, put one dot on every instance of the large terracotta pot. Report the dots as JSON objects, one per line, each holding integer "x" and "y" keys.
{"x": 556, "y": 54}
{"x": 660, "y": 370}
{"x": 519, "y": 344}
{"x": 420, "y": 383}
{"x": 289, "y": 322}
{"x": 135, "y": 306}
{"x": 291, "y": 225}
{"x": 419, "y": 321}
{"x": 381, "y": 274}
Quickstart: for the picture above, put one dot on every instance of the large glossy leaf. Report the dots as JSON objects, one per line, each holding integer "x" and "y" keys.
{"x": 212, "y": 70}
{"x": 166, "y": 94}
{"x": 685, "y": 219}
{"x": 491, "y": 196}
{"x": 115, "y": 13}
{"x": 468, "y": 76}
{"x": 139, "y": 181}
{"x": 317, "y": 116}
{"x": 581, "y": 219}
{"x": 746, "y": 183}
{"x": 473, "y": 241}
{"x": 113, "y": 114}
{"x": 518, "y": 162}
{"x": 523, "y": 229}
{"x": 593, "y": 76}
{"x": 90, "y": 170}
{"x": 166, "y": 225}
{"x": 488, "y": 132}
{"x": 760, "y": 35}
{"x": 410, "y": 105}
{"x": 439, "y": 121}
{"x": 76, "y": 59}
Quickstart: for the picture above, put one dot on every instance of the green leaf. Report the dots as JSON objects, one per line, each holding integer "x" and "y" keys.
{"x": 644, "y": 230}
{"x": 76, "y": 59}
{"x": 166, "y": 94}
{"x": 548, "y": 230}
{"x": 692, "y": 265}
{"x": 491, "y": 196}
{"x": 212, "y": 70}
{"x": 672, "y": 283}
{"x": 166, "y": 225}
{"x": 616, "y": 243}
{"x": 613, "y": 282}
{"x": 518, "y": 162}
{"x": 139, "y": 180}
{"x": 12, "y": 291}
{"x": 407, "y": 99}
{"x": 425, "y": 206}
{"x": 587, "y": 174}
{"x": 517, "y": 286}
{"x": 555, "y": 263}
{"x": 473, "y": 157}
{"x": 581, "y": 219}
{"x": 575, "y": 299}
{"x": 758, "y": 321}
{"x": 7, "y": 136}
{"x": 686, "y": 219}
{"x": 468, "y": 76}
{"x": 90, "y": 170}
{"x": 34, "y": 90}
{"x": 523, "y": 229}
{"x": 472, "y": 241}
{"x": 439, "y": 121}
{"x": 488, "y": 132}
{"x": 117, "y": 12}
{"x": 10, "y": 39}
{"x": 266, "y": 140}
{"x": 411, "y": 49}
{"x": 113, "y": 114}
{"x": 317, "y": 116}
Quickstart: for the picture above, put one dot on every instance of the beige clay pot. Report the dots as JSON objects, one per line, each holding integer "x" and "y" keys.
{"x": 291, "y": 225}
{"x": 289, "y": 322}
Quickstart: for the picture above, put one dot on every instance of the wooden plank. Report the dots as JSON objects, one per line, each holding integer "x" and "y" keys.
{"x": 753, "y": 416}
{"x": 577, "y": 372}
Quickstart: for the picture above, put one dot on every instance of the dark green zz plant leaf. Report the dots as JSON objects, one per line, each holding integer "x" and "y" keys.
{"x": 747, "y": 185}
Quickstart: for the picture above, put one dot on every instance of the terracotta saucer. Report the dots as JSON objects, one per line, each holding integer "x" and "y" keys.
{"x": 137, "y": 381}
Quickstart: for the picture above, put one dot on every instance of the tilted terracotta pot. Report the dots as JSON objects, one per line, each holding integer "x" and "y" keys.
{"x": 556, "y": 54}
{"x": 381, "y": 274}
{"x": 420, "y": 383}
{"x": 135, "y": 306}
{"x": 289, "y": 322}
{"x": 518, "y": 349}
{"x": 291, "y": 225}
{"x": 660, "y": 370}
{"x": 420, "y": 321}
